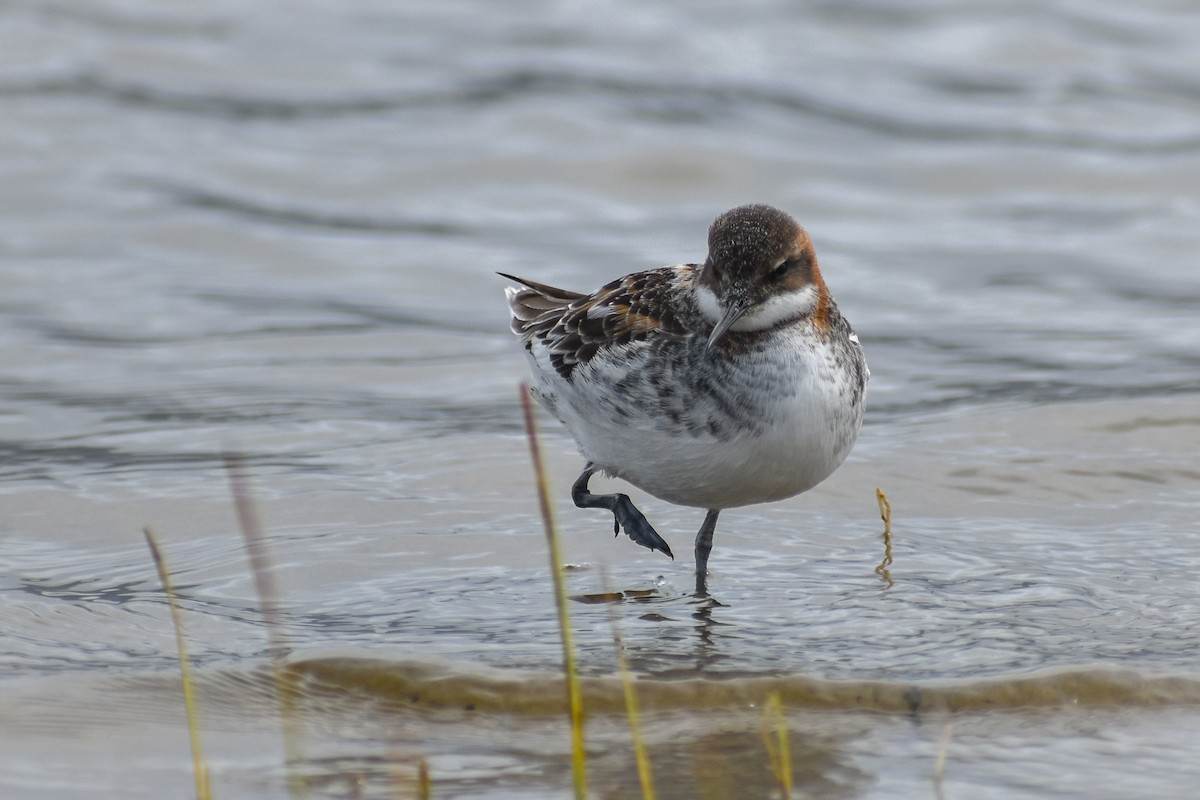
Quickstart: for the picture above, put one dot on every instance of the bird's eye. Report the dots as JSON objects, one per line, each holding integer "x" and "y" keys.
{"x": 781, "y": 270}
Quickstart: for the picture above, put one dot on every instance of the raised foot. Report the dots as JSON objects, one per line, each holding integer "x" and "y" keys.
{"x": 625, "y": 513}
{"x": 636, "y": 526}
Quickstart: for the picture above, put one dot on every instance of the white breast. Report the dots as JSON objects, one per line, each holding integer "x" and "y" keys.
{"x": 806, "y": 426}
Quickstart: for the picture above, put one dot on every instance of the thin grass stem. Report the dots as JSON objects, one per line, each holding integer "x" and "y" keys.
{"x": 939, "y": 763}
{"x": 424, "y": 784}
{"x": 776, "y": 742}
{"x": 287, "y": 692}
{"x": 632, "y": 712}
{"x": 885, "y": 513}
{"x": 199, "y": 767}
{"x": 574, "y": 696}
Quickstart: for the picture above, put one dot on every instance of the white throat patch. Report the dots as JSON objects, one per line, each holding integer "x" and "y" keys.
{"x": 777, "y": 308}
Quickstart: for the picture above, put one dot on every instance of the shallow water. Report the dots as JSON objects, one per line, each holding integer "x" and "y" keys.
{"x": 220, "y": 232}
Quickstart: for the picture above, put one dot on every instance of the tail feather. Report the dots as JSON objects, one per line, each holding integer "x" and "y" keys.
{"x": 537, "y": 306}
{"x": 543, "y": 289}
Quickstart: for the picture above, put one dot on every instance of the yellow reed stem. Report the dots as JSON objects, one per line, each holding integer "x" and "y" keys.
{"x": 885, "y": 513}
{"x": 424, "y": 784}
{"x": 778, "y": 748}
{"x": 199, "y": 768}
{"x": 574, "y": 696}
{"x": 632, "y": 713}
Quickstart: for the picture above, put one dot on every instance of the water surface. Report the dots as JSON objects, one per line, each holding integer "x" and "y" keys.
{"x": 224, "y": 232}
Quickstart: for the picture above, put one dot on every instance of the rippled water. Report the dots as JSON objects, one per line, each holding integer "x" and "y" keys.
{"x": 273, "y": 228}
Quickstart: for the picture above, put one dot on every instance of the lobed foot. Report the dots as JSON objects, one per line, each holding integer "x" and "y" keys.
{"x": 625, "y": 513}
{"x": 627, "y": 516}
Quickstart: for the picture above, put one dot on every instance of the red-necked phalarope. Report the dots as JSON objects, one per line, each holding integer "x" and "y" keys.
{"x": 712, "y": 385}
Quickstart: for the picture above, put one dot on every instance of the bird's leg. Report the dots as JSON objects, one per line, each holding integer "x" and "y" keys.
{"x": 704, "y": 539}
{"x": 625, "y": 513}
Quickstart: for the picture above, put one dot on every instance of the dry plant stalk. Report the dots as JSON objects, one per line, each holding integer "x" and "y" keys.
{"x": 778, "y": 748}
{"x": 262, "y": 568}
{"x": 424, "y": 785}
{"x": 632, "y": 712}
{"x": 199, "y": 768}
{"x": 939, "y": 763}
{"x": 574, "y": 695}
{"x": 885, "y": 513}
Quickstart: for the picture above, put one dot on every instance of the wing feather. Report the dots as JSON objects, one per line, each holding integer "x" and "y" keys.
{"x": 575, "y": 327}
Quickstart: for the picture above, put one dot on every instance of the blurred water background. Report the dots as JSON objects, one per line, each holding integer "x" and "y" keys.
{"x": 273, "y": 227}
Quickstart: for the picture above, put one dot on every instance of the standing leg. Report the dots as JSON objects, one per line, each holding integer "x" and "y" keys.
{"x": 625, "y": 513}
{"x": 704, "y": 539}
